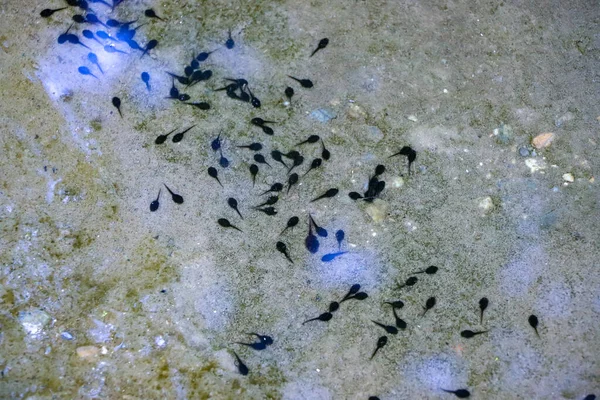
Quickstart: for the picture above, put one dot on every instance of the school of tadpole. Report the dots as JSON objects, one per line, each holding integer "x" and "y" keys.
{"x": 268, "y": 192}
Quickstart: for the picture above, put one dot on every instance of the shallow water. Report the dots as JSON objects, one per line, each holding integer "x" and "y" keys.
{"x": 102, "y": 298}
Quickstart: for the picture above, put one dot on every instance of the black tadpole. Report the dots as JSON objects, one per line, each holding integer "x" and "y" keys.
{"x": 409, "y": 282}
{"x": 410, "y": 154}
{"x": 259, "y": 158}
{"x": 395, "y": 304}
{"x": 483, "y": 303}
{"x": 289, "y": 92}
{"x": 292, "y": 222}
{"x": 355, "y": 195}
{"x": 267, "y": 210}
{"x": 48, "y": 12}
{"x": 176, "y": 198}
{"x": 469, "y": 334}
{"x": 325, "y": 154}
{"x": 328, "y": 194}
{"x": 234, "y": 204}
{"x": 460, "y": 393}
{"x": 429, "y": 304}
{"x": 117, "y": 103}
{"x": 334, "y": 306}
{"x": 151, "y": 14}
{"x": 268, "y": 130}
{"x": 253, "y": 171}
{"x": 533, "y": 321}
{"x": 155, "y": 204}
{"x": 305, "y": 83}
{"x": 212, "y": 172}
{"x": 357, "y": 296}
{"x": 260, "y": 122}
{"x": 323, "y": 317}
{"x": 292, "y": 180}
{"x": 178, "y": 137}
{"x": 392, "y": 330}
{"x": 277, "y": 156}
{"x": 381, "y": 342}
{"x": 256, "y": 346}
{"x": 252, "y": 146}
{"x": 322, "y": 44}
{"x": 282, "y": 248}
{"x": 353, "y": 290}
{"x": 270, "y": 201}
{"x": 316, "y": 163}
{"x": 268, "y": 340}
{"x": 310, "y": 139}
{"x": 226, "y": 224}
{"x": 431, "y": 270}
{"x": 400, "y": 323}
{"x": 242, "y": 368}
{"x": 276, "y": 187}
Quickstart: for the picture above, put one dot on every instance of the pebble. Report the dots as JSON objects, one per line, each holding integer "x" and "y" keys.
{"x": 160, "y": 341}
{"x": 568, "y": 177}
{"x": 398, "y": 182}
{"x": 377, "y": 210}
{"x": 87, "y": 351}
{"x": 355, "y": 111}
{"x": 33, "y": 321}
{"x": 543, "y": 140}
{"x": 534, "y": 165}
{"x": 412, "y": 118}
{"x": 523, "y": 152}
{"x": 66, "y": 335}
{"x": 323, "y": 114}
{"x": 486, "y": 204}
{"x": 503, "y": 134}
{"x": 375, "y": 133}
{"x": 564, "y": 118}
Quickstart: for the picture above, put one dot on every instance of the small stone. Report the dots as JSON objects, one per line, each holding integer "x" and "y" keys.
{"x": 568, "y": 177}
{"x": 486, "y": 204}
{"x": 523, "y": 152}
{"x": 398, "y": 182}
{"x": 160, "y": 341}
{"x": 412, "y": 118}
{"x": 66, "y": 335}
{"x": 356, "y": 112}
{"x": 543, "y": 140}
{"x": 375, "y": 134}
{"x": 87, "y": 351}
{"x": 102, "y": 332}
{"x": 534, "y": 165}
{"x": 503, "y": 134}
{"x": 33, "y": 321}
{"x": 564, "y": 118}
{"x": 323, "y": 114}
{"x": 377, "y": 210}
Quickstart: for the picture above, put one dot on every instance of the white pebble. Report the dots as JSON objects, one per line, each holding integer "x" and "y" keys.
{"x": 486, "y": 204}
{"x": 568, "y": 177}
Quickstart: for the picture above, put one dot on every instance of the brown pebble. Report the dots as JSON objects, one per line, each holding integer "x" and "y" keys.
{"x": 543, "y": 140}
{"x": 87, "y": 351}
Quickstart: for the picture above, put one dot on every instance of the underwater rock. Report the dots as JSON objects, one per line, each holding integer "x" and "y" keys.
{"x": 323, "y": 114}
{"x": 377, "y": 210}
{"x": 33, "y": 321}
{"x": 543, "y": 140}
